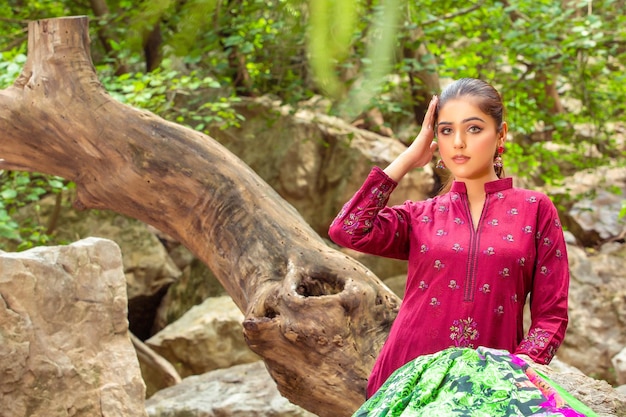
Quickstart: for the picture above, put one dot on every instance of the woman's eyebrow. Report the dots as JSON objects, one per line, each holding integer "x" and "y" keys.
{"x": 469, "y": 119}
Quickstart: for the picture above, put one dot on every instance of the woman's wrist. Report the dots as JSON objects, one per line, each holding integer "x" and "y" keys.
{"x": 397, "y": 169}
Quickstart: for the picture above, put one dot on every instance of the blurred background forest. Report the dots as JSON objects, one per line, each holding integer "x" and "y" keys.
{"x": 560, "y": 65}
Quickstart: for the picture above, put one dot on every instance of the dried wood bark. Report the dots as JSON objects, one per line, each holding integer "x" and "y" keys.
{"x": 316, "y": 316}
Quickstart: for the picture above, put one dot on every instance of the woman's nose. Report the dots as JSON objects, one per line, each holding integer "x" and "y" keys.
{"x": 459, "y": 141}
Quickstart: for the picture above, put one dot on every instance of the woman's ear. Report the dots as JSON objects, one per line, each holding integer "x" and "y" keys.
{"x": 503, "y": 131}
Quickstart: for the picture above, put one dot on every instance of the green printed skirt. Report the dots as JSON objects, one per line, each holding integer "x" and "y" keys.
{"x": 469, "y": 382}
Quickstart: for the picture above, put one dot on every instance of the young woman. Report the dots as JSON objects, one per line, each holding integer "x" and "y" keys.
{"x": 474, "y": 252}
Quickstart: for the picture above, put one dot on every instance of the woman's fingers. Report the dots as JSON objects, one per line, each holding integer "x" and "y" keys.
{"x": 429, "y": 117}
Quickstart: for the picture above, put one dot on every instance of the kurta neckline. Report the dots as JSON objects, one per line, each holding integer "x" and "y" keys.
{"x": 490, "y": 187}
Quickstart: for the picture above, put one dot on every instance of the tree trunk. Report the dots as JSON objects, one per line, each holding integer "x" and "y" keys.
{"x": 317, "y": 317}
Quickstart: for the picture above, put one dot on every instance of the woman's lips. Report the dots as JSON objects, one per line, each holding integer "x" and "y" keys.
{"x": 460, "y": 159}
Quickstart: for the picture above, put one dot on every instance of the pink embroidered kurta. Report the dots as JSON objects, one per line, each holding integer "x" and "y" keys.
{"x": 466, "y": 286}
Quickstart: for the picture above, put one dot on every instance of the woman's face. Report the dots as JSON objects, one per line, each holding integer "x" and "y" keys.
{"x": 468, "y": 139}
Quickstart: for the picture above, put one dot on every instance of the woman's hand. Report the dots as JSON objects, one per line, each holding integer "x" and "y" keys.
{"x": 420, "y": 152}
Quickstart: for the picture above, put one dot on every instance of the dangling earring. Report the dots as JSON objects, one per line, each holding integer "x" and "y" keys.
{"x": 440, "y": 164}
{"x": 497, "y": 161}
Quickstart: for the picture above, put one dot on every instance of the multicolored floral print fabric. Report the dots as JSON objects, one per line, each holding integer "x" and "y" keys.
{"x": 465, "y": 382}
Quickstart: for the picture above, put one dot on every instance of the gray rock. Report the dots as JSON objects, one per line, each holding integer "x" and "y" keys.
{"x": 241, "y": 391}
{"x": 64, "y": 343}
{"x": 209, "y": 336}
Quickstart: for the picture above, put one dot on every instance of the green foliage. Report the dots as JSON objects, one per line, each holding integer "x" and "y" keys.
{"x": 11, "y": 64}
{"x": 331, "y": 31}
{"x": 363, "y": 54}
{"x": 17, "y": 190}
{"x": 522, "y": 48}
{"x": 181, "y": 98}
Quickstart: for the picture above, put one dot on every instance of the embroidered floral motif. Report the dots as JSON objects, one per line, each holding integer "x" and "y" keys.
{"x": 489, "y": 251}
{"x": 552, "y": 351}
{"x": 463, "y": 332}
{"x": 532, "y": 199}
{"x": 505, "y": 272}
{"x": 536, "y": 341}
{"x": 454, "y": 197}
{"x": 527, "y": 229}
{"x": 426, "y": 219}
{"x": 380, "y": 194}
{"x": 521, "y": 261}
{"x": 442, "y": 209}
{"x": 508, "y": 238}
{"x": 513, "y": 212}
{"x": 557, "y": 223}
{"x": 439, "y": 265}
{"x": 499, "y": 311}
{"x": 423, "y": 248}
{"x": 544, "y": 270}
{"x": 499, "y": 195}
{"x": 434, "y": 302}
{"x": 458, "y": 220}
{"x": 353, "y": 221}
{"x": 514, "y": 298}
{"x": 453, "y": 285}
{"x": 547, "y": 241}
{"x": 423, "y": 286}
{"x": 350, "y": 223}
{"x": 558, "y": 254}
{"x": 493, "y": 222}
{"x": 457, "y": 248}
{"x": 441, "y": 232}
{"x": 485, "y": 289}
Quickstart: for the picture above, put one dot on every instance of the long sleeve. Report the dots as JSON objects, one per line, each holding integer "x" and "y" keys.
{"x": 367, "y": 225}
{"x": 550, "y": 286}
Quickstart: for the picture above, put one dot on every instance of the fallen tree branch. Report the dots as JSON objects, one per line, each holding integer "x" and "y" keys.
{"x": 317, "y": 317}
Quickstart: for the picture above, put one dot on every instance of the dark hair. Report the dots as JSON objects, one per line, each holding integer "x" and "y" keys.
{"x": 488, "y": 100}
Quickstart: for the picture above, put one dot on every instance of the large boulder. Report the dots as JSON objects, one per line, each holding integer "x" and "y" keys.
{"x": 208, "y": 337}
{"x": 64, "y": 343}
{"x": 590, "y": 203}
{"x": 241, "y": 391}
{"x": 147, "y": 265}
{"x": 196, "y": 283}
{"x": 597, "y": 308}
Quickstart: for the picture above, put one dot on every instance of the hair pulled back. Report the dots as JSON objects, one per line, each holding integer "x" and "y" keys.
{"x": 487, "y": 97}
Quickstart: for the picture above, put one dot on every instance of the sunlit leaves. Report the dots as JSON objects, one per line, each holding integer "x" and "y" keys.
{"x": 379, "y": 57}
{"x": 144, "y": 15}
{"x": 167, "y": 93}
{"x": 193, "y": 20}
{"x": 332, "y": 24}
{"x": 11, "y": 64}
{"x": 18, "y": 189}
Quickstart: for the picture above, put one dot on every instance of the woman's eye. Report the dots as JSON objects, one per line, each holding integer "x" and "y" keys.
{"x": 474, "y": 129}
{"x": 445, "y": 131}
